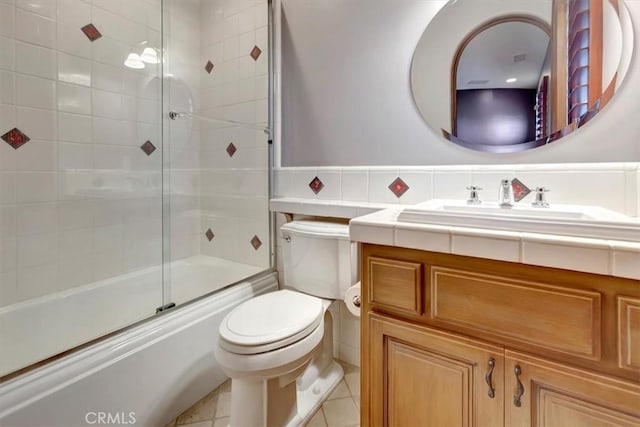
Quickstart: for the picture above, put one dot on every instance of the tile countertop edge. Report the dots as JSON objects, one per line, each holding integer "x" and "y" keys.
{"x": 377, "y": 223}
{"x": 614, "y": 258}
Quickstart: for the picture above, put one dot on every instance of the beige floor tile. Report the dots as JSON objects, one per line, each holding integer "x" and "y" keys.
{"x": 200, "y": 424}
{"x": 340, "y": 391}
{"x": 204, "y": 410}
{"x": 171, "y": 424}
{"x": 341, "y": 412}
{"x": 317, "y": 420}
{"x": 353, "y": 382}
{"x": 223, "y": 409}
{"x": 221, "y": 422}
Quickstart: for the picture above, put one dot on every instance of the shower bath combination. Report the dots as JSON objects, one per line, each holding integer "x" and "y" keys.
{"x": 134, "y": 173}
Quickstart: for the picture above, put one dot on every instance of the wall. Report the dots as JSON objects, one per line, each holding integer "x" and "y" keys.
{"x": 347, "y": 99}
{"x": 80, "y": 201}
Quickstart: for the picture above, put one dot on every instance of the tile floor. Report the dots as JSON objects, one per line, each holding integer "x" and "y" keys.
{"x": 342, "y": 408}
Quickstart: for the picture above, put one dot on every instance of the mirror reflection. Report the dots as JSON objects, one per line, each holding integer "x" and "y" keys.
{"x": 521, "y": 78}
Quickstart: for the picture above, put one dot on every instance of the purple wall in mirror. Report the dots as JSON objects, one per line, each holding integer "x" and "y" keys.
{"x": 496, "y": 116}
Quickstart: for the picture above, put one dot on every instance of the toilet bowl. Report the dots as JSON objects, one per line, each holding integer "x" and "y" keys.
{"x": 278, "y": 347}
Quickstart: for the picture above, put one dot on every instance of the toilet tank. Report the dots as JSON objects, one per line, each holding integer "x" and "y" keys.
{"x": 319, "y": 259}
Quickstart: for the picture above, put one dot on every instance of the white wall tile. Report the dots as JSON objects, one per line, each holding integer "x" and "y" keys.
{"x": 37, "y": 156}
{"x": 76, "y": 13}
{"x": 8, "y": 288}
{"x": 32, "y": 28}
{"x": 45, "y": 8}
{"x": 74, "y": 99}
{"x": 6, "y": 20}
{"x": 37, "y": 123}
{"x": 379, "y": 181}
{"x": 74, "y": 127}
{"x": 74, "y": 156}
{"x": 35, "y": 92}
{"x": 73, "y": 69}
{"x": 35, "y": 60}
{"x": 420, "y": 186}
{"x": 7, "y": 87}
{"x": 355, "y": 185}
{"x": 36, "y": 187}
{"x": 69, "y": 42}
{"x": 7, "y": 51}
{"x": 37, "y": 250}
{"x": 332, "y": 180}
{"x": 37, "y": 281}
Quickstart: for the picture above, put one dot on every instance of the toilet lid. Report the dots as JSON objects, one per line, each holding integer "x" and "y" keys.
{"x": 270, "y": 321}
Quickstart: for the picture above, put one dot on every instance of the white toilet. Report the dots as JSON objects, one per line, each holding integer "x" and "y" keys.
{"x": 278, "y": 347}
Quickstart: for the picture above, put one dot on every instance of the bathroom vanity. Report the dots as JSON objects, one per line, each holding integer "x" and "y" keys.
{"x": 473, "y": 326}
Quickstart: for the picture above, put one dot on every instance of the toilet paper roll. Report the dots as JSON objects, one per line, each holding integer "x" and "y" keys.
{"x": 352, "y": 299}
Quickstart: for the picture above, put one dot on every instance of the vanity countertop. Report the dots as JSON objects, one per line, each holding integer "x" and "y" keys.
{"x": 592, "y": 255}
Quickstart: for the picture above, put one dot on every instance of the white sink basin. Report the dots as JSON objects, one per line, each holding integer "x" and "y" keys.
{"x": 567, "y": 220}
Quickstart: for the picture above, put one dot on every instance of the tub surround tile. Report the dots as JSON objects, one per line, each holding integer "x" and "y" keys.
{"x": 15, "y": 138}
{"x": 255, "y": 53}
{"x": 91, "y": 32}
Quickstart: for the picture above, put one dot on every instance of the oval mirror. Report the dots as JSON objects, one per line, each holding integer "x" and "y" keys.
{"x": 519, "y": 74}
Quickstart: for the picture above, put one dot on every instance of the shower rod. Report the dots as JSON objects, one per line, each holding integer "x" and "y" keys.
{"x": 176, "y": 115}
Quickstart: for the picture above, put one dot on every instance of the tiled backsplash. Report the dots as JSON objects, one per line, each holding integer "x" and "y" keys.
{"x": 614, "y": 186}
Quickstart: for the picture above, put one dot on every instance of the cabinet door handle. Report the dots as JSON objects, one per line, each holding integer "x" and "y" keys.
{"x": 487, "y": 378}
{"x": 520, "y": 389}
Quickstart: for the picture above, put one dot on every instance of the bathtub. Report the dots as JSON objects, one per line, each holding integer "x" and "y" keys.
{"x": 43, "y": 327}
{"x": 144, "y": 375}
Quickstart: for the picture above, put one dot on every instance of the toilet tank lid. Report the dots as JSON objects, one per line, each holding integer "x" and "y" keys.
{"x": 322, "y": 229}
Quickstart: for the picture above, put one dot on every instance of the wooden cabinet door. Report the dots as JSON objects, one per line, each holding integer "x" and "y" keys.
{"x": 419, "y": 376}
{"x": 548, "y": 394}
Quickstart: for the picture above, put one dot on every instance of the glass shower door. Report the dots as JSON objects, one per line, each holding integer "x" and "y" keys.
{"x": 216, "y": 144}
{"x": 80, "y": 173}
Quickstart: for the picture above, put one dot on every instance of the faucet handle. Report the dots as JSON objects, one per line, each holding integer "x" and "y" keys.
{"x": 473, "y": 195}
{"x": 540, "y": 200}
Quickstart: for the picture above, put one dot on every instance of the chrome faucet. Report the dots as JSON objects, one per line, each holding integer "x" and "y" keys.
{"x": 505, "y": 194}
{"x": 473, "y": 199}
{"x": 540, "y": 201}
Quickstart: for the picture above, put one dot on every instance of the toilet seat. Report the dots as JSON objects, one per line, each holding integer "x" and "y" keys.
{"x": 270, "y": 321}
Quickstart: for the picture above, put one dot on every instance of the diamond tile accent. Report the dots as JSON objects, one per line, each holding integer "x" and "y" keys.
{"x": 255, "y": 53}
{"x": 520, "y": 190}
{"x": 316, "y": 185}
{"x": 398, "y": 187}
{"x": 148, "y": 148}
{"x": 15, "y": 138}
{"x": 231, "y": 149}
{"x": 209, "y": 235}
{"x": 256, "y": 242}
{"x": 91, "y": 32}
{"x": 209, "y": 67}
